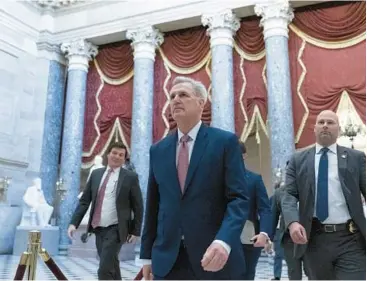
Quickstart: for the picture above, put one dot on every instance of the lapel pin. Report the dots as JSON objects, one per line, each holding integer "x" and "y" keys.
{"x": 344, "y": 156}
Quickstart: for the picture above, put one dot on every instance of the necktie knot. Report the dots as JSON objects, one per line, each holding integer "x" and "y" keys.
{"x": 324, "y": 150}
{"x": 185, "y": 139}
{"x": 110, "y": 171}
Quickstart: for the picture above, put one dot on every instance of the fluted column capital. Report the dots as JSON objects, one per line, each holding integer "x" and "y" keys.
{"x": 221, "y": 27}
{"x": 145, "y": 40}
{"x": 276, "y": 16}
{"x": 79, "y": 53}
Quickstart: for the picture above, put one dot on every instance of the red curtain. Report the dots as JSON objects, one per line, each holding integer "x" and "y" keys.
{"x": 115, "y": 101}
{"x": 248, "y": 78}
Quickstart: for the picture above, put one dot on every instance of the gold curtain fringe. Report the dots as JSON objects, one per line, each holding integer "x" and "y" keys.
{"x": 328, "y": 44}
{"x": 111, "y": 81}
{"x": 247, "y": 56}
{"x": 181, "y": 70}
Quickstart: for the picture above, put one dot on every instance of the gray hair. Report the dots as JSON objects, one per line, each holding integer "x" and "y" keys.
{"x": 198, "y": 87}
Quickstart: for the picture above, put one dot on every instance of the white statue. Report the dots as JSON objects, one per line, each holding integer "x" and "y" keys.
{"x": 37, "y": 211}
{"x": 97, "y": 164}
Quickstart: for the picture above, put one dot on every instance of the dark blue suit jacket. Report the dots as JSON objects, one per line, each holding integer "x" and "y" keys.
{"x": 214, "y": 204}
{"x": 259, "y": 204}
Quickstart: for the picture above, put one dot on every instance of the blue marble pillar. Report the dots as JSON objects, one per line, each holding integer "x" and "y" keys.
{"x": 78, "y": 53}
{"x": 221, "y": 27}
{"x": 72, "y": 149}
{"x": 144, "y": 42}
{"x": 275, "y": 19}
{"x": 222, "y": 88}
{"x": 142, "y": 120}
{"x": 52, "y": 130}
{"x": 280, "y": 112}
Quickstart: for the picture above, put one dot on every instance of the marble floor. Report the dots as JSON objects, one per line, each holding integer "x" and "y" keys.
{"x": 85, "y": 269}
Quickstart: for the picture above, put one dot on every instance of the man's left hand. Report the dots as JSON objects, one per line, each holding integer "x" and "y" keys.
{"x": 214, "y": 258}
{"x": 132, "y": 238}
{"x": 260, "y": 240}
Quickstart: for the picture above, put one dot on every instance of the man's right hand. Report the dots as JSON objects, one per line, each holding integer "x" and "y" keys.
{"x": 147, "y": 272}
{"x": 298, "y": 233}
{"x": 71, "y": 230}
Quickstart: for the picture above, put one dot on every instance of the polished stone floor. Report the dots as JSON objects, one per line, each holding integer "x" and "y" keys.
{"x": 85, "y": 268}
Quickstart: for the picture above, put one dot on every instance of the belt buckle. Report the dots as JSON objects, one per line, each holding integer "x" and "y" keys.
{"x": 328, "y": 228}
{"x": 351, "y": 227}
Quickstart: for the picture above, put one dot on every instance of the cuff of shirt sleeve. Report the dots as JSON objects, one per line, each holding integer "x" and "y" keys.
{"x": 144, "y": 261}
{"x": 224, "y": 244}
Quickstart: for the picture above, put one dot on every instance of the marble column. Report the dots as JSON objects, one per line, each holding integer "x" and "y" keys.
{"x": 78, "y": 53}
{"x": 221, "y": 27}
{"x": 144, "y": 42}
{"x": 275, "y": 19}
{"x": 52, "y": 129}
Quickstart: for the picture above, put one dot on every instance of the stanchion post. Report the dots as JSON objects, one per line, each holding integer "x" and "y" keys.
{"x": 33, "y": 250}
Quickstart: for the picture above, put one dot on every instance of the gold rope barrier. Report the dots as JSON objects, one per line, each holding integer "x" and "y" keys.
{"x": 28, "y": 260}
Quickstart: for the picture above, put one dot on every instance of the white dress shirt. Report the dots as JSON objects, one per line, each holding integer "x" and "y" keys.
{"x": 109, "y": 212}
{"x": 338, "y": 209}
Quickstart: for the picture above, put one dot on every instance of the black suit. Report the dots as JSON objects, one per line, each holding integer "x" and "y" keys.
{"x": 300, "y": 187}
{"x": 110, "y": 239}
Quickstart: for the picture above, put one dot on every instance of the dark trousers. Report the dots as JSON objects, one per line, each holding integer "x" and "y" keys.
{"x": 181, "y": 270}
{"x": 279, "y": 255}
{"x": 338, "y": 255}
{"x": 294, "y": 265}
{"x": 252, "y": 255}
{"x": 108, "y": 247}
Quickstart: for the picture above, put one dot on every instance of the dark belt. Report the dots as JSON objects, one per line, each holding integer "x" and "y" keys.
{"x": 330, "y": 228}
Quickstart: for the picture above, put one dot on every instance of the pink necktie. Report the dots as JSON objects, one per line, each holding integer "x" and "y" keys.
{"x": 98, "y": 208}
{"x": 183, "y": 160}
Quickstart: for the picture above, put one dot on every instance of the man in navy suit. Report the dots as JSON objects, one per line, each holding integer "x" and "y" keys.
{"x": 260, "y": 216}
{"x": 197, "y": 200}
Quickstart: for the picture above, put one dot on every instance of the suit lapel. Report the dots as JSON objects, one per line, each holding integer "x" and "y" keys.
{"x": 342, "y": 167}
{"x": 122, "y": 174}
{"x": 311, "y": 169}
{"x": 98, "y": 183}
{"x": 197, "y": 153}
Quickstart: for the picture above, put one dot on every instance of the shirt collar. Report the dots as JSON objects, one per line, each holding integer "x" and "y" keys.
{"x": 193, "y": 132}
{"x": 116, "y": 170}
{"x": 332, "y": 148}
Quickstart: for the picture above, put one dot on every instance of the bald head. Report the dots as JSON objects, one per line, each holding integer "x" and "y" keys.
{"x": 327, "y": 128}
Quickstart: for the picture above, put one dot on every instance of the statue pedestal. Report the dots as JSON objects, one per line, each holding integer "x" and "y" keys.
{"x": 50, "y": 237}
{"x": 10, "y": 217}
{"x": 89, "y": 249}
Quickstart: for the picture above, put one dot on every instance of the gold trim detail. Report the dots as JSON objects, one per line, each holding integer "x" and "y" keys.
{"x": 256, "y": 117}
{"x": 96, "y": 128}
{"x": 242, "y": 106}
{"x": 247, "y": 56}
{"x": 207, "y": 69}
{"x": 299, "y": 94}
{"x": 328, "y": 44}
